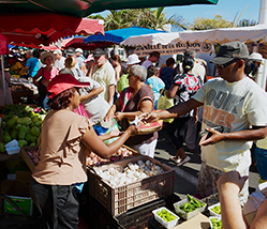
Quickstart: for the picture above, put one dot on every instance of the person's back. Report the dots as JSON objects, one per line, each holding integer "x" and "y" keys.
{"x": 96, "y": 107}
{"x": 166, "y": 73}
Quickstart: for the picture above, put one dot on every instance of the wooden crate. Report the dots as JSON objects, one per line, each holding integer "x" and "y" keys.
{"x": 26, "y": 157}
{"x": 121, "y": 199}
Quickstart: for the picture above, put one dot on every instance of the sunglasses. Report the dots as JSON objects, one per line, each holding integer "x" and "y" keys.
{"x": 227, "y": 64}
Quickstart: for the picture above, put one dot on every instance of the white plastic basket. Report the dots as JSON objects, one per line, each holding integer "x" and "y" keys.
{"x": 213, "y": 217}
{"x": 212, "y": 213}
{"x": 188, "y": 215}
{"x": 167, "y": 225}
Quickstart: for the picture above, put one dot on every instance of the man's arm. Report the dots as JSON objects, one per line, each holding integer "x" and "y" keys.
{"x": 92, "y": 93}
{"x": 255, "y": 133}
{"x": 111, "y": 92}
{"x": 173, "y": 112}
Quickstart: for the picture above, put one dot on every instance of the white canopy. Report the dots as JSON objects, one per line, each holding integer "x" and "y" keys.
{"x": 151, "y": 39}
{"x": 243, "y": 34}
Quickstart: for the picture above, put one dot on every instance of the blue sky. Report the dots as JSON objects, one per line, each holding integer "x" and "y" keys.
{"x": 227, "y": 8}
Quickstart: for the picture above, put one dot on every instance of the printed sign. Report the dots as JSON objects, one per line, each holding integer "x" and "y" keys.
{"x": 171, "y": 49}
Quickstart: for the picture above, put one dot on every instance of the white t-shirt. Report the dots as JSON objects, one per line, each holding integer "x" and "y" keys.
{"x": 96, "y": 107}
{"x": 236, "y": 106}
{"x": 60, "y": 64}
{"x": 147, "y": 63}
{"x": 198, "y": 69}
{"x": 105, "y": 76}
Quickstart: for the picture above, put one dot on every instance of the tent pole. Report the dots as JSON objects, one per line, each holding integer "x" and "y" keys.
{"x": 3, "y": 77}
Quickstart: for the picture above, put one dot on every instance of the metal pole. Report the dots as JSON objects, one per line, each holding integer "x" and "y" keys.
{"x": 3, "y": 77}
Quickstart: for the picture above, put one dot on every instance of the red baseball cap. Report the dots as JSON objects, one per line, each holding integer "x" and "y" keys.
{"x": 62, "y": 83}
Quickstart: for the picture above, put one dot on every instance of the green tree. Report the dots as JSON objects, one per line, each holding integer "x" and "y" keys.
{"x": 214, "y": 23}
{"x": 97, "y": 16}
{"x": 246, "y": 22}
{"x": 145, "y": 18}
{"x": 117, "y": 19}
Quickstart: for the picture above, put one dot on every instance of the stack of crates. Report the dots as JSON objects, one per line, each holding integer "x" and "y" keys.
{"x": 128, "y": 206}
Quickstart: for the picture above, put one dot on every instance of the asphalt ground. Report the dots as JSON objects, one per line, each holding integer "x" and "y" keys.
{"x": 186, "y": 176}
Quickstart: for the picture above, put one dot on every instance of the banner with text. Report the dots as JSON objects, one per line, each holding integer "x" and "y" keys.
{"x": 170, "y": 49}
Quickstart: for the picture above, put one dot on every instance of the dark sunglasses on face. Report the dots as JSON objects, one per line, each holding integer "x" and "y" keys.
{"x": 227, "y": 64}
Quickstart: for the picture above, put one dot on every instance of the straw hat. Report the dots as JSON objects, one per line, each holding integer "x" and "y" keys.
{"x": 46, "y": 54}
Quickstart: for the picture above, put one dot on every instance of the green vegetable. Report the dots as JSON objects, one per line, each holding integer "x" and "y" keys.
{"x": 216, "y": 223}
{"x": 22, "y": 143}
{"x": 217, "y": 210}
{"x": 33, "y": 144}
{"x": 30, "y": 138}
{"x": 7, "y": 138}
{"x": 18, "y": 126}
{"x": 166, "y": 215}
{"x": 24, "y": 121}
{"x": 14, "y": 134}
{"x": 191, "y": 205}
{"x": 12, "y": 122}
{"x": 35, "y": 118}
{"x": 2, "y": 147}
{"x": 23, "y": 130}
{"x": 35, "y": 131}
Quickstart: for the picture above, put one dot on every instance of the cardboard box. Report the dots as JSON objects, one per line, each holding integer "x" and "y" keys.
{"x": 16, "y": 194}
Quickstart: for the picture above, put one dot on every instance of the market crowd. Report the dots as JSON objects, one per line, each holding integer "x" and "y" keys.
{"x": 223, "y": 115}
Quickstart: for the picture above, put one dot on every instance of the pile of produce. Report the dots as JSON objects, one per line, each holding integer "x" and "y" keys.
{"x": 118, "y": 176}
{"x": 22, "y": 123}
{"x": 94, "y": 159}
{"x": 166, "y": 215}
{"x": 33, "y": 155}
{"x": 216, "y": 223}
{"x": 191, "y": 205}
{"x": 217, "y": 209}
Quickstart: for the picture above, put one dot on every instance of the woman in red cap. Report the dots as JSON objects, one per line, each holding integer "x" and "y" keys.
{"x": 66, "y": 139}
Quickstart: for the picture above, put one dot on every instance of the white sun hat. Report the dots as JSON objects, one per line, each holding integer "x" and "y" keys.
{"x": 133, "y": 59}
{"x": 256, "y": 57}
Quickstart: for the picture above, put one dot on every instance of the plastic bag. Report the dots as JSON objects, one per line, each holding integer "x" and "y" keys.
{"x": 164, "y": 103}
{"x": 114, "y": 126}
{"x": 81, "y": 111}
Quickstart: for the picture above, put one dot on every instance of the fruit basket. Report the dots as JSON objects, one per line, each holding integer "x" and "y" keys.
{"x": 215, "y": 210}
{"x": 215, "y": 222}
{"x": 188, "y": 208}
{"x": 165, "y": 217}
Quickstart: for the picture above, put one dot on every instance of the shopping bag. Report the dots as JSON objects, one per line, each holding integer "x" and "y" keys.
{"x": 164, "y": 103}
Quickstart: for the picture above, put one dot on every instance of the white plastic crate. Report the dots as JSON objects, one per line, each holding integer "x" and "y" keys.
{"x": 167, "y": 225}
{"x": 212, "y": 213}
{"x": 213, "y": 217}
{"x": 188, "y": 215}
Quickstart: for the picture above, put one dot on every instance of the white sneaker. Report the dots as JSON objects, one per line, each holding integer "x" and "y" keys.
{"x": 184, "y": 161}
{"x": 177, "y": 161}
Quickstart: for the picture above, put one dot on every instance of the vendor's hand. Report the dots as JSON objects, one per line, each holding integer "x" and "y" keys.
{"x": 149, "y": 117}
{"x": 134, "y": 129}
{"x": 109, "y": 116}
{"x": 118, "y": 116}
{"x": 215, "y": 137}
{"x": 114, "y": 133}
{"x": 231, "y": 181}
